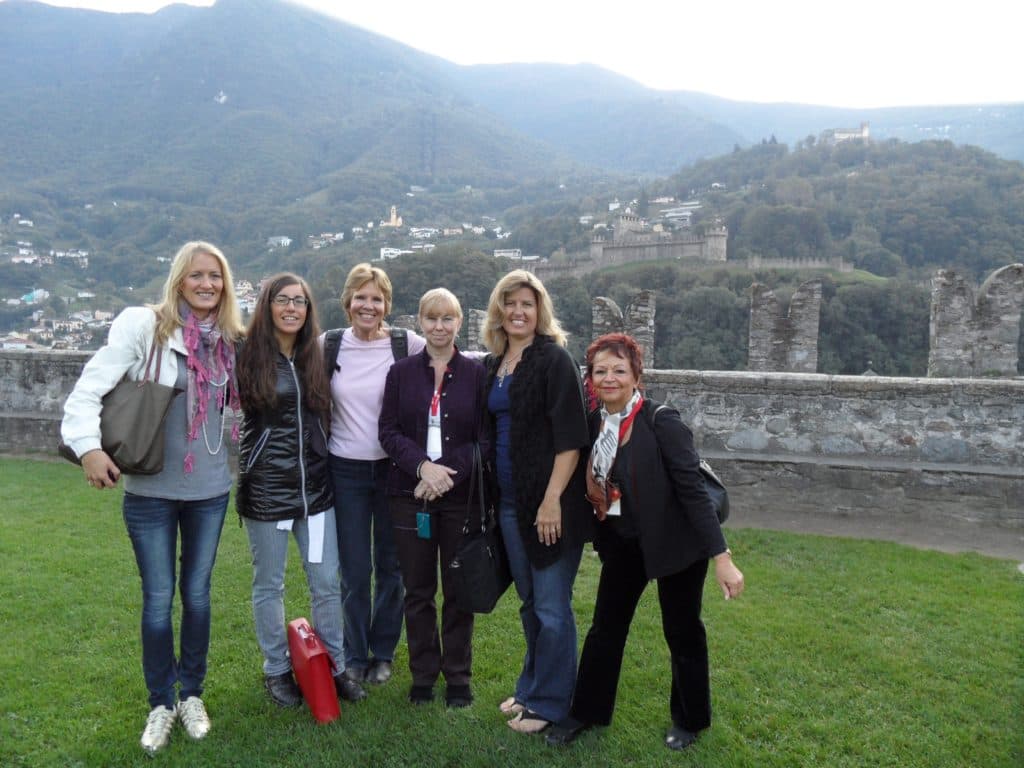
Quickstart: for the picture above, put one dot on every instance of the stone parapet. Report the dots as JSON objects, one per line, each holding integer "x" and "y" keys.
{"x": 838, "y": 445}
{"x": 975, "y": 422}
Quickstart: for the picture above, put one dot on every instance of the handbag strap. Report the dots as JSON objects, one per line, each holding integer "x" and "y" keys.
{"x": 159, "y": 350}
{"x": 476, "y": 483}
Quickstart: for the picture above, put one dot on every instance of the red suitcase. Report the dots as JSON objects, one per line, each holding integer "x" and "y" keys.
{"x": 314, "y": 670}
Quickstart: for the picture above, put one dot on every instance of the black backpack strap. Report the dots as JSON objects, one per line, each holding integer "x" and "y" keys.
{"x": 399, "y": 343}
{"x": 332, "y": 343}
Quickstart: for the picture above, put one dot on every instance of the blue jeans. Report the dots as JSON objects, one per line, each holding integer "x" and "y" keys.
{"x": 153, "y": 526}
{"x": 269, "y": 547}
{"x": 372, "y": 628}
{"x": 549, "y": 668}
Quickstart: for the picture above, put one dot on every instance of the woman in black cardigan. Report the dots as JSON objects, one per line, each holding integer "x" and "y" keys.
{"x": 535, "y": 399}
{"x": 656, "y": 522}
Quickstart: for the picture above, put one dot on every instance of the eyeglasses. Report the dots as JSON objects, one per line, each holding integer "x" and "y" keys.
{"x": 300, "y": 302}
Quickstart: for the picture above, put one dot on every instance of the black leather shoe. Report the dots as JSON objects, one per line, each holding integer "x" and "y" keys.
{"x": 565, "y": 732}
{"x": 679, "y": 738}
{"x": 458, "y": 696}
{"x": 348, "y": 689}
{"x": 421, "y": 694}
{"x": 379, "y": 672}
{"x": 283, "y": 690}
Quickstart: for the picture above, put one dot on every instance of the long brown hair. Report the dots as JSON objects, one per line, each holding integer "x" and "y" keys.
{"x": 257, "y": 362}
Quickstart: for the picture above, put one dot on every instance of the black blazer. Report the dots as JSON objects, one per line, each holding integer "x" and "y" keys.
{"x": 671, "y": 509}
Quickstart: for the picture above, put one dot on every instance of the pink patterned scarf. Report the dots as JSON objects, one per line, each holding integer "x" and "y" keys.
{"x": 211, "y": 362}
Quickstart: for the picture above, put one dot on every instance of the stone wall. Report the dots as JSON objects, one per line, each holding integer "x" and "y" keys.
{"x": 850, "y": 445}
{"x": 476, "y": 320}
{"x": 784, "y": 341}
{"x": 915, "y": 448}
{"x": 406, "y": 322}
{"x": 975, "y": 335}
{"x": 637, "y": 320}
{"x": 33, "y": 387}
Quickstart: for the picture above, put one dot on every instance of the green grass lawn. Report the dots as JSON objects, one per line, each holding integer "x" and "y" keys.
{"x": 840, "y": 653}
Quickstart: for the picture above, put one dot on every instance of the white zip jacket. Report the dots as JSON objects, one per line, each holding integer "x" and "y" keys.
{"x": 125, "y": 352}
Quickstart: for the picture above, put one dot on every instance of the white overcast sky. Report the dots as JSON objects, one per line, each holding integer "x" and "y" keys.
{"x": 860, "y": 53}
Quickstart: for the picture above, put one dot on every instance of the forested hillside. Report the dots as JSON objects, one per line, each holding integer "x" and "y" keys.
{"x": 703, "y": 314}
{"x": 887, "y": 208}
{"x": 121, "y": 141}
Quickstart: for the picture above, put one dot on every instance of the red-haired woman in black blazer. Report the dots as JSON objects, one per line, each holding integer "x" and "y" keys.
{"x": 656, "y": 522}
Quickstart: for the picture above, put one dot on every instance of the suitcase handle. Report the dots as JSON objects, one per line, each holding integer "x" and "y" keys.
{"x": 308, "y": 637}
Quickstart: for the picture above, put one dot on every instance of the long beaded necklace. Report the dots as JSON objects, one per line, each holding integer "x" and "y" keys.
{"x": 506, "y": 367}
{"x": 223, "y": 417}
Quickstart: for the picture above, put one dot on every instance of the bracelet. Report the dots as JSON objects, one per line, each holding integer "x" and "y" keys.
{"x": 419, "y": 469}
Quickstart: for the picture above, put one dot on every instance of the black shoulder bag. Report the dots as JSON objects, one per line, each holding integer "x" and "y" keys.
{"x": 714, "y": 486}
{"x": 479, "y": 571}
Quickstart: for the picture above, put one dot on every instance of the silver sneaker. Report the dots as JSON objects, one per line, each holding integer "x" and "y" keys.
{"x": 379, "y": 672}
{"x": 158, "y": 729}
{"x": 195, "y": 721}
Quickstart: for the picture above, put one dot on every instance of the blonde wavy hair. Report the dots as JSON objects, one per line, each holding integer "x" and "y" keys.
{"x": 360, "y": 275}
{"x": 169, "y": 319}
{"x": 493, "y": 334}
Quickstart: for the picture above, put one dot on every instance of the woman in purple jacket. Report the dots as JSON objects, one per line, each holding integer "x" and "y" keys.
{"x": 430, "y": 420}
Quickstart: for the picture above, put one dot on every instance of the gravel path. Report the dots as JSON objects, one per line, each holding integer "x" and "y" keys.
{"x": 944, "y": 536}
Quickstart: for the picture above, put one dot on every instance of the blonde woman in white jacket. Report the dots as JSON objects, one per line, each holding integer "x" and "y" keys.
{"x": 196, "y": 325}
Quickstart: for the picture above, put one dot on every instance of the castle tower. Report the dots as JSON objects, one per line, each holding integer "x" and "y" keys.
{"x": 626, "y": 224}
{"x": 715, "y": 242}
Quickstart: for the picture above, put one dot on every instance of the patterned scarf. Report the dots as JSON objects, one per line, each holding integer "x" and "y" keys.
{"x": 211, "y": 362}
{"x": 600, "y": 491}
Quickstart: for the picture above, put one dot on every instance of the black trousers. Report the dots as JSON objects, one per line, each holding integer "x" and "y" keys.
{"x": 622, "y": 582}
{"x": 430, "y": 653}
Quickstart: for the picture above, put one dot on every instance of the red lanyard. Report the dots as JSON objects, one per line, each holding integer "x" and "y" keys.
{"x": 626, "y": 422}
{"x": 435, "y": 401}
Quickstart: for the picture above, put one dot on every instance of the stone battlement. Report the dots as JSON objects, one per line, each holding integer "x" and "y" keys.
{"x": 916, "y": 449}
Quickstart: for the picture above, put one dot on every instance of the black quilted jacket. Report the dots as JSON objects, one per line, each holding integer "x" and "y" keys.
{"x": 282, "y": 460}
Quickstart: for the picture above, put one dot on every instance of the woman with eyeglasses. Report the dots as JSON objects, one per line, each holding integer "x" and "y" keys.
{"x": 284, "y": 487}
{"x": 430, "y": 423}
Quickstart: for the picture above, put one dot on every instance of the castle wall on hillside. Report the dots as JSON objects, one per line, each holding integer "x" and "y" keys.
{"x": 629, "y": 246}
{"x": 651, "y": 246}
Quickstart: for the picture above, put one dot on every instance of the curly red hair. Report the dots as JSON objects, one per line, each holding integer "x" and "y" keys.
{"x": 619, "y": 344}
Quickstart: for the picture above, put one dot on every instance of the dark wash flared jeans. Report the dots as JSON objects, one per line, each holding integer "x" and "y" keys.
{"x": 369, "y": 561}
